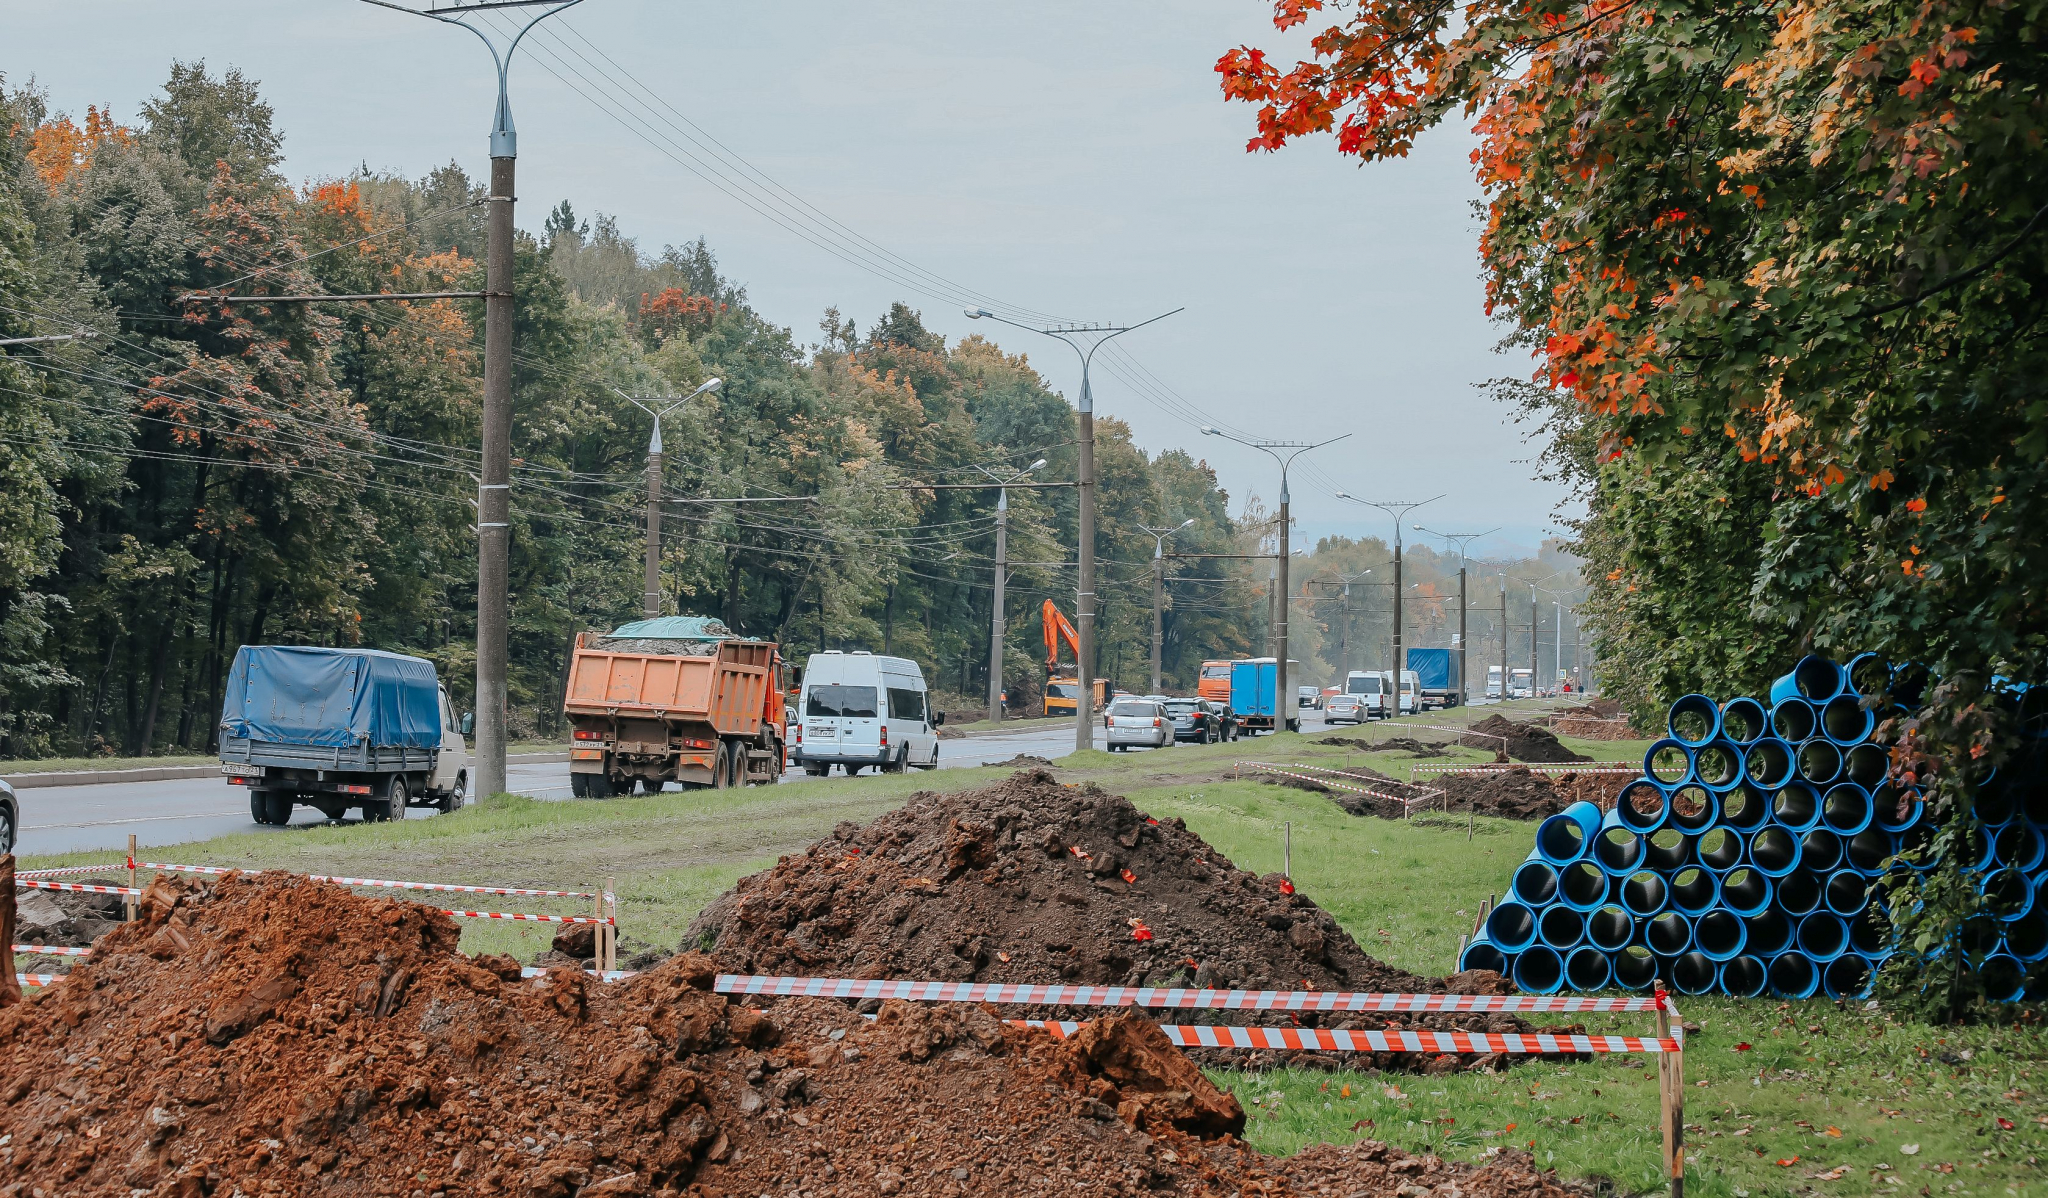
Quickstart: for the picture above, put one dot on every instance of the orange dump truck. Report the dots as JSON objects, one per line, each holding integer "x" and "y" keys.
{"x": 679, "y": 699}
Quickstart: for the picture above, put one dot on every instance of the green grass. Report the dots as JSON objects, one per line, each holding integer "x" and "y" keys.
{"x": 57, "y": 765}
{"x": 1405, "y": 889}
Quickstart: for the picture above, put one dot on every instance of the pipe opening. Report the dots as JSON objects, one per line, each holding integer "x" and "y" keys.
{"x": 1641, "y": 805}
{"x": 1534, "y": 883}
{"x": 2008, "y": 894}
{"x": 1511, "y": 926}
{"x": 1823, "y": 936}
{"x": 1846, "y": 976}
{"x": 1668, "y": 933}
{"x": 1618, "y": 850}
{"x": 2004, "y": 979}
{"x": 1539, "y": 971}
{"x": 1820, "y": 762}
{"x": 1610, "y": 929}
{"x": 1718, "y": 765}
{"x": 1846, "y": 720}
{"x": 1635, "y": 968}
{"x": 2027, "y": 936}
{"x": 1769, "y": 763}
{"x": 1560, "y": 928}
{"x": 1644, "y": 893}
{"x": 1744, "y": 720}
{"x": 1866, "y": 764}
{"x": 1991, "y": 801}
{"x": 1769, "y": 932}
{"x": 1909, "y": 684}
{"x": 1870, "y": 933}
{"x": 1693, "y": 808}
{"x": 1745, "y": 891}
{"x": 1867, "y": 850}
{"x": 1799, "y": 893}
{"x": 1694, "y": 720}
{"x": 2019, "y": 845}
{"x": 1847, "y": 893}
{"x": 1693, "y": 890}
{"x": 1774, "y": 851}
{"x": 1916, "y": 844}
{"x": 1719, "y": 850}
{"x": 1820, "y": 851}
{"x": 1743, "y": 977}
{"x": 1845, "y": 809}
{"x": 1794, "y": 720}
{"x": 1817, "y": 678}
{"x": 1582, "y": 885}
{"x": 1694, "y": 973}
{"x": 1587, "y": 970}
{"x": 1561, "y": 838}
{"x": 1895, "y": 808}
{"x": 1745, "y": 808}
{"x": 1980, "y": 937}
{"x": 1796, "y": 807}
{"x": 1482, "y": 954}
{"x": 1719, "y": 934}
{"x": 1869, "y": 674}
{"x": 1793, "y": 976}
{"x": 1668, "y": 761}
{"x": 1667, "y": 849}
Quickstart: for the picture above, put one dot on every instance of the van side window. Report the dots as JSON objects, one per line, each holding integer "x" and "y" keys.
{"x": 906, "y": 704}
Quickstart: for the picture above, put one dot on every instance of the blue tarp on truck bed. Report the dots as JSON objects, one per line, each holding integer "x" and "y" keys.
{"x": 332, "y": 698}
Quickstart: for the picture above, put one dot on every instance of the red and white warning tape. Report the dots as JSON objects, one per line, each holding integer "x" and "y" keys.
{"x": 83, "y": 887}
{"x": 515, "y": 890}
{"x": 1306, "y": 1039}
{"x": 1339, "y": 780}
{"x": 608, "y": 921}
{"x": 1132, "y": 996}
{"x": 40, "y": 979}
{"x": 51, "y": 950}
{"x": 67, "y": 872}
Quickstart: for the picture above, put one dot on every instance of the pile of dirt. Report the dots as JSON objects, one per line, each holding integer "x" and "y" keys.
{"x": 72, "y": 919}
{"x": 1021, "y": 761}
{"x": 1507, "y": 793}
{"x": 276, "y": 1035}
{"x": 1030, "y": 881}
{"x": 1523, "y": 742}
{"x": 1415, "y": 748}
{"x": 1599, "y": 719}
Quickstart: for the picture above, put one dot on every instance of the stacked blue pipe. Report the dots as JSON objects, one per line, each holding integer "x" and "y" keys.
{"x": 1746, "y": 860}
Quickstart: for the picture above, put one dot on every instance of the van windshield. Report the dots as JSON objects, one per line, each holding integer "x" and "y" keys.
{"x": 1365, "y": 686}
{"x": 856, "y": 702}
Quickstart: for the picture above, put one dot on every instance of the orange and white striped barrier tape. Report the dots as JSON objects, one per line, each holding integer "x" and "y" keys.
{"x": 51, "y": 950}
{"x": 67, "y": 872}
{"x": 1339, "y": 780}
{"x": 1308, "y": 1039}
{"x": 40, "y": 979}
{"x": 1132, "y": 996}
{"x": 81, "y": 887}
{"x": 445, "y": 886}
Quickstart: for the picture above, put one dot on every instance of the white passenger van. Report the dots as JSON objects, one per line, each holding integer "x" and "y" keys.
{"x": 859, "y": 710}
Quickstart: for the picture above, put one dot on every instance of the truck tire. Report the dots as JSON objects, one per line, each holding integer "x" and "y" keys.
{"x": 579, "y": 785}
{"x": 377, "y": 811}
{"x": 280, "y": 805}
{"x": 737, "y": 750}
{"x": 456, "y": 796}
{"x": 721, "y": 769}
{"x": 259, "y": 806}
{"x": 816, "y": 771}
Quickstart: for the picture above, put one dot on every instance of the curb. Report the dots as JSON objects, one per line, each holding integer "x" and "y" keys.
{"x": 169, "y": 773}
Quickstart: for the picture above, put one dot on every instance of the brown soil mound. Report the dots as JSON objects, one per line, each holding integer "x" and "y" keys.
{"x": 1025, "y": 882}
{"x": 1021, "y": 761}
{"x": 279, "y": 1036}
{"x": 1507, "y": 793}
{"x": 1599, "y": 719}
{"x": 1523, "y": 742}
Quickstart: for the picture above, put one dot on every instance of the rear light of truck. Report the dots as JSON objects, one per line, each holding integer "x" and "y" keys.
{"x": 583, "y": 735}
{"x": 243, "y": 781}
{"x": 699, "y": 744}
{"x": 353, "y": 790}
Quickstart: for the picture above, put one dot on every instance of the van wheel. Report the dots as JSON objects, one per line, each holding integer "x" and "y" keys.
{"x": 896, "y": 766}
{"x": 457, "y": 795}
{"x": 259, "y": 806}
{"x": 817, "y": 771}
{"x": 280, "y": 807}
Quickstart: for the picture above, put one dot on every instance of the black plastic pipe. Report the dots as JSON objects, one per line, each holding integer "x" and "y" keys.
{"x": 1867, "y": 850}
{"x": 1794, "y": 720}
{"x": 1719, "y": 934}
{"x": 1799, "y": 893}
{"x": 1768, "y": 763}
{"x": 1610, "y": 929}
{"x": 1694, "y": 890}
{"x": 1635, "y": 968}
{"x": 1719, "y": 850}
{"x": 1667, "y": 933}
{"x": 1744, "y": 977}
{"x": 1775, "y": 851}
{"x": 1694, "y": 808}
{"x": 1667, "y": 850}
{"x": 1644, "y": 893}
{"x": 1746, "y": 891}
{"x": 1743, "y": 720}
{"x": 1746, "y": 808}
{"x": 1694, "y": 973}
{"x": 1820, "y": 851}
{"x": 1847, "y": 893}
{"x": 1796, "y": 806}
{"x": 1820, "y": 762}
{"x": 1770, "y": 933}
{"x": 1867, "y": 764}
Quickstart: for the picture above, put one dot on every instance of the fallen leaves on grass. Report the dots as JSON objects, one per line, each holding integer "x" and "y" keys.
{"x": 1786, "y": 1162}
{"x": 1910, "y": 1149}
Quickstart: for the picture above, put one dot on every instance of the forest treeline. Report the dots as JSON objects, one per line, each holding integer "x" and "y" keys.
{"x": 194, "y": 476}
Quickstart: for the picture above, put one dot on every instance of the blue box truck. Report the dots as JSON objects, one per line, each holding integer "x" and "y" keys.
{"x": 339, "y": 728}
{"x": 1254, "y": 684}
{"x": 1437, "y": 677}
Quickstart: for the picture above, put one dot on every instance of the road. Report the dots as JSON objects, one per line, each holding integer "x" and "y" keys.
{"x": 80, "y": 818}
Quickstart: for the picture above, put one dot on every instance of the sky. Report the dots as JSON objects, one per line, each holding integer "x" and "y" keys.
{"x": 1068, "y": 159}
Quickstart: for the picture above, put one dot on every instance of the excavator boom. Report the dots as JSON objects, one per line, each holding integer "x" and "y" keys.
{"x": 1056, "y": 629}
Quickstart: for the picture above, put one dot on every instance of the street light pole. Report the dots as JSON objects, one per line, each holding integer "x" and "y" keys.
{"x": 1284, "y": 453}
{"x": 1084, "y": 597}
{"x": 494, "y": 486}
{"x": 1463, "y": 541}
{"x": 650, "y": 596}
{"x": 996, "y": 629}
{"x": 1159, "y": 536}
{"x": 1398, "y": 510}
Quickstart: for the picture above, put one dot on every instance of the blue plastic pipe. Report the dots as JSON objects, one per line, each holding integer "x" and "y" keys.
{"x": 1792, "y": 975}
{"x": 1774, "y": 851}
{"x": 1567, "y": 836}
{"x": 1768, "y": 763}
{"x": 1847, "y": 893}
{"x": 1820, "y": 851}
{"x": 1819, "y": 760}
{"x": 2004, "y": 978}
{"x": 1667, "y": 850}
{"x": 1560, "y": 928}
{"x": 1793, "y": 720}
{"x": 1796, "y": 807}
{"x": 1844, "y": 720}
{"x": 1582, "y": 886}
{"x": 1511, "y": 926}
{"x": 1643, "y": 806}
{"x": 1480, "y": 953}
{"x": 1719, "y": 849}
{"x": 1746, "y": 808}
{"x": 1667, "y": 933}
{"x": 1869, "y": 675}
{"x": 1746, "y": 891}
{"x": 1539, "y": 971}
{"x": 1720, "y": 935}
{"x": 1866, "y": 764}
{"x": 1799, "y": 893}
{"x": 1617, "y": 850}
{"x": 1694, "y": 720}
{"x": 1694, "y": 808}
{"x": 1744, "y": 720}
{"x": 1635, "y": 968}
{"x": 1644, "y": 893}
{"x": 2027, "y": 937}
{"x": 1587, "y": 969}
{"x": 1815, "y": 679}
{"x": 2008, "y": 894}
{"x": 1846, "y": 809}
{"x": 1769, "y": 932}
{"x": 1534, "y": 881}
{"x": 1610, "y": 929}
{"x": 1870, "y": 933}
{"x": 1847, "y": 976}
{"x": 1895, "y": 809}
{"x": 2019, "y": 845}
{"x": 1668, "y": 762}
{"x": 1717, "y": 765}
{"x": 1743, "y": 977}
{"x": 1823, "y": 936}
{"x": 1694, "y": 891}
{"x": 1695, "y": 973}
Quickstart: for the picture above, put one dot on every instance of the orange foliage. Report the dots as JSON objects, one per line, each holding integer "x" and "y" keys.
{"x": 59, "y": 149}
{"x": 676, "y": 309}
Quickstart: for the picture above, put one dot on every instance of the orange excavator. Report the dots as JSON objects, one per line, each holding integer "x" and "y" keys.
{"x": 1063, "y": 687}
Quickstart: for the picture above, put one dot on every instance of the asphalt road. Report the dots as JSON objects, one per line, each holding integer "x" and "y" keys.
{"x": 80, "y": 818}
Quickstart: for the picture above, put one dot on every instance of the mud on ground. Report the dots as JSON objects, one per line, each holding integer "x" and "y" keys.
{"x": 273, "y": 1035}
{"x": 1522, "y": 742}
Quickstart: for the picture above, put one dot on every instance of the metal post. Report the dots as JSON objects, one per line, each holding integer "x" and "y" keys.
{"x": 1084, "y": 598}
{"x": 1503, "y": 639}
{"x": 650, "y": 598}
{"x": 494, "y": 490}
{"x": 1557, "y": 636}
{"x": 1158, "y": 579}
{"x": 995, "y": 631}
{"x": 1283, "y": 698}
{"x": 1464, "y": 676}
{"x": 1535, "y": 617}
{"x": 1400, "y": 657}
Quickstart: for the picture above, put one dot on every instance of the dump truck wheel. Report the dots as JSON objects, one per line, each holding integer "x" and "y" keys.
{"x": 721, "y": 770}
{"x": 579, "y": 785}
{"x": 737, "y": 750}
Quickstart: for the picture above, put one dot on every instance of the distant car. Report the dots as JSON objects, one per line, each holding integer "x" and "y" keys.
{"x": 10, "y": 818}
{"x": 1345, "y": 709}
{"x": 1138, "y": 722}
{"x": 1308, "y": 696}
{"x": 1202, "y": 721}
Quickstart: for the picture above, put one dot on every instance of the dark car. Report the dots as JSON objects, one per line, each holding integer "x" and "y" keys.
{"x": 1201, "y": 720}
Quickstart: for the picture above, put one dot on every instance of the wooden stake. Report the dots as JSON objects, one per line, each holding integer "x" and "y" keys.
{"x": 597, "y": 942}
{"x": 611, "y": 940}
{"x": 1460, "y": 955}
{"x": 1671, "y": 1100}
{"x": 128, "y": 906}
{"x": 1287, "y": 859}
{"x": 10, "y": 989}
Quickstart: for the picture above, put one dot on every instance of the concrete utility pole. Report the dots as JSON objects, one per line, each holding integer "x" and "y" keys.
{"x": 1535, "y": 619}
{"x": 1284, "y": 453}
{"x": 996, "y": 628}
{"x": 1084, "y": 596}
{"x": 650, "y": 596}
{"x": 1463, "y": 541}
{"x": 1398, "y": 510}
{"x": 1344, "y": 623}
{"x": 1503, "y": 637}
{"x": 494, "y": 487}
{"x": 1159, "y": 536}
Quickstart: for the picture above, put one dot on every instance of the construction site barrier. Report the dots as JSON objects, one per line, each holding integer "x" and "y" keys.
{"x": 81, "y": 887}
{"x": 1306, "y": 1039}
{"x": 40, "y": 979}
{"x": 446, "y": 886}
{"x": 1495, "y": 767}
{"x": 1339, "y": 780}
{"x": 67, "y": 872}
{"x": 51, "y": 950}
{"x": 1160, "y": 997}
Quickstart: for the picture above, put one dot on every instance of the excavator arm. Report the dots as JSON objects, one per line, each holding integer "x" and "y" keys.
{"x": 1056, "y": 628}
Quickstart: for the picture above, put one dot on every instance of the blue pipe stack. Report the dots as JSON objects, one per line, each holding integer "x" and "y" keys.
{"x": 1746, "y": 860}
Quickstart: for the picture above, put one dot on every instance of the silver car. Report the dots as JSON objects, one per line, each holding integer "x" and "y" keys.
{"x": 10, "y": 818}
{"x": 1345, "y": 709}
{"x": 1138, "y": 722}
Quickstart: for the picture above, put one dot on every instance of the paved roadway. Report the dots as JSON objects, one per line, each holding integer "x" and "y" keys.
{"x": 63, "y": 819}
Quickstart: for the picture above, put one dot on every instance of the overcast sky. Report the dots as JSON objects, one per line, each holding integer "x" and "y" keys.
{"x": 1068, "y": 158}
